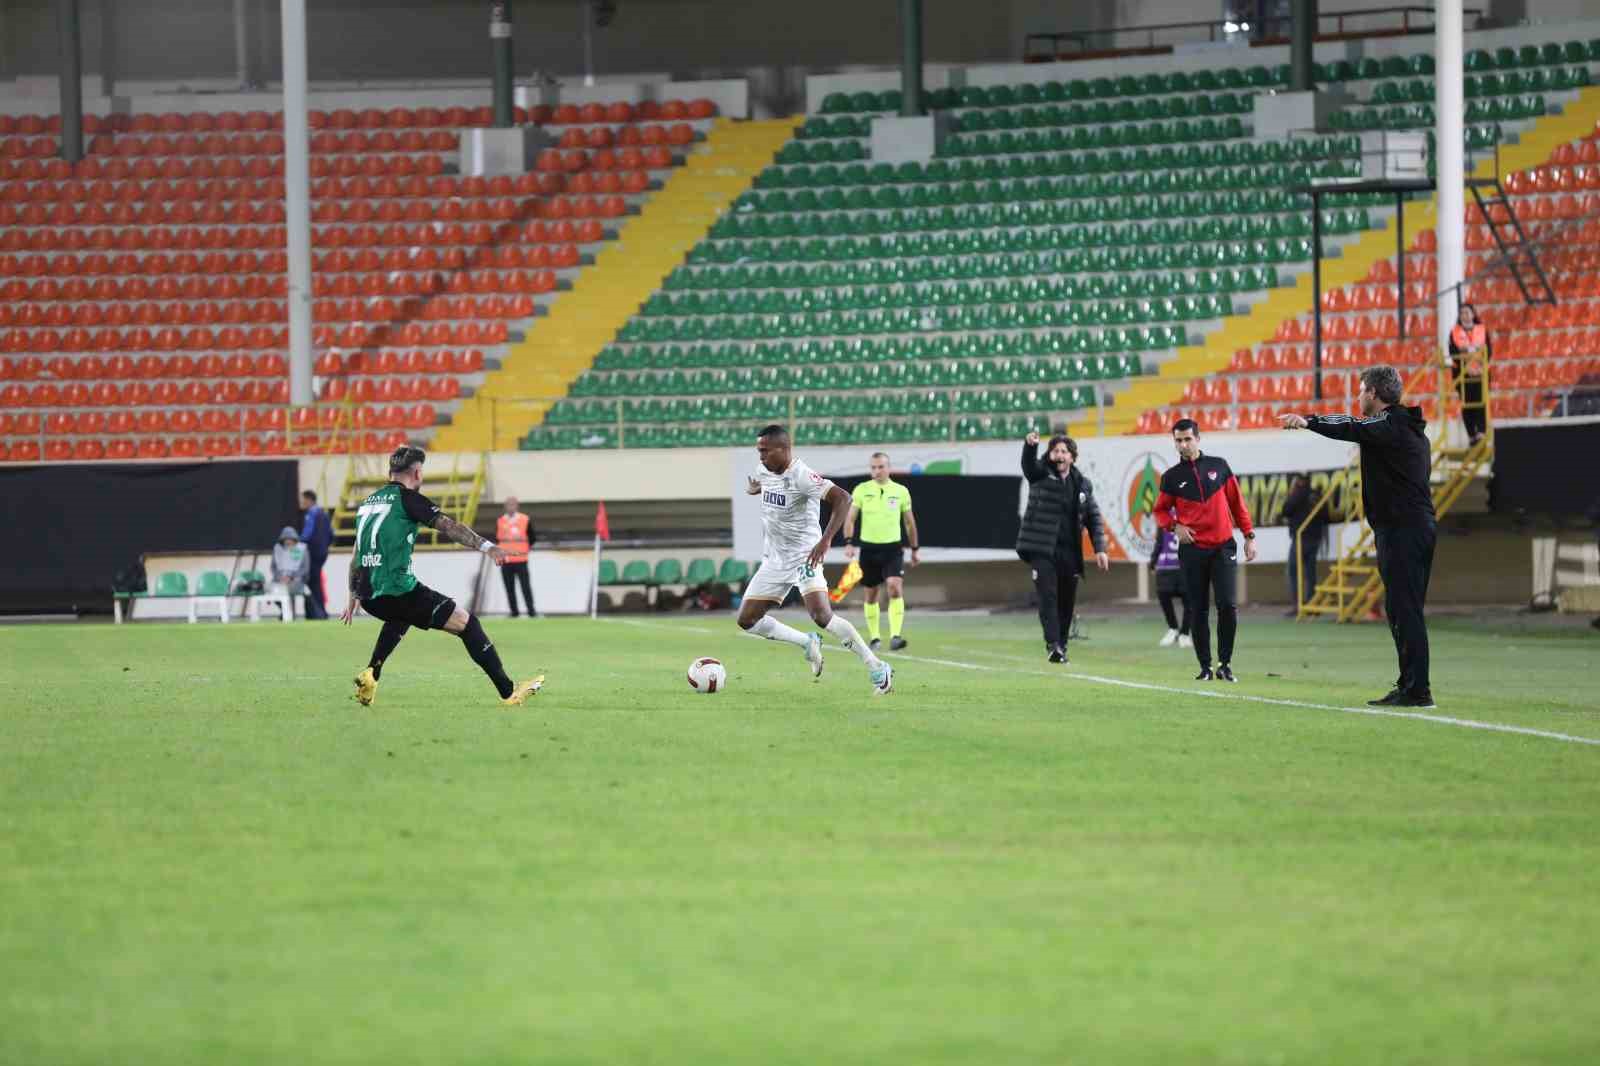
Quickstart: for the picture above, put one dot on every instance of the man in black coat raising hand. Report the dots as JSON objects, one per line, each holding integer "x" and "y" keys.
{"x": 1060, "y": 506}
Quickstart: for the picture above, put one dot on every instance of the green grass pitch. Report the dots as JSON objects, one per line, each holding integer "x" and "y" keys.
{"x": 210, "y": 854}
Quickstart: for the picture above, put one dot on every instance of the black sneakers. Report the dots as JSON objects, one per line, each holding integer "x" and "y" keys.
{"x": 896, "y": 643}
{"x": 1205, "y": 674}
{"x": 1397, "y": 698}
{"x": 874, "y": 643}
{"x": 1058, "y": 653}
{"x": 1225, "y": 673}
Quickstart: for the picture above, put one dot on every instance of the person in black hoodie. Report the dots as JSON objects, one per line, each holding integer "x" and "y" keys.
{"x": 1395, "y": 493}
{"x": 1060, "y": 506}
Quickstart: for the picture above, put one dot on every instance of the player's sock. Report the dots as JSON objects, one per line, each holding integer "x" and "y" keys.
{"x": 772, "y": 629}
{"x": 483, "y": 653}
{"x": 897, "y": 615}
{"x": 840, "y": 627}
{"x": 388, "y": 638}
{"x": 872, "y": 619}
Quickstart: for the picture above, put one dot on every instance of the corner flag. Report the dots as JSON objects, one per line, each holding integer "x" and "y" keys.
{"x": 602, "y": 532}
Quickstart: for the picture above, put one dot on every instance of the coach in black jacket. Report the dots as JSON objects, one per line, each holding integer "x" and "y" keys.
{"x": 1060, "y": 506}
{"x": 1398, "y": 500}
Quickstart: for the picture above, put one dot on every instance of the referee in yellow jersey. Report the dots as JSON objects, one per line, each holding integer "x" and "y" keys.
{"x": 882, "y": 506}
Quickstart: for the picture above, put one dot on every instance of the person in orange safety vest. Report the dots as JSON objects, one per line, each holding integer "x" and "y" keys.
{"x": 513, "y": 531}
{"x": 1469, "y": 361}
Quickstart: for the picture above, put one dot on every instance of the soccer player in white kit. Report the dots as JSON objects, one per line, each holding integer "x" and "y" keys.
{"x": 791, "y": 497}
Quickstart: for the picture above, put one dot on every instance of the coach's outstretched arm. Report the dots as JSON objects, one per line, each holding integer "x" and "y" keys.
{"x": 1375, "y": 430}
{"x": 1032, "y": 469}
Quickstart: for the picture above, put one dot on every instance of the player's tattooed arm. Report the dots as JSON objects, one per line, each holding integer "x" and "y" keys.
{"x": 465, "y": 536}
{"x": 458, "y": 532}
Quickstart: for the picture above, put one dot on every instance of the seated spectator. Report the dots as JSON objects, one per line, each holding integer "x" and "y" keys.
{"x": 291, "y": 566}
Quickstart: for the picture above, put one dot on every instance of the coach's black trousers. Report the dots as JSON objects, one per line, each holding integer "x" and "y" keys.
{"x": 513, "y": 574}
{"x": 1405, "y": 561}
{"x": 1209, "y": 572}
{"x": 1055, "y": 579}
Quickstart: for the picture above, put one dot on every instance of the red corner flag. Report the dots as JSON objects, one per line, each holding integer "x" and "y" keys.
{"x": 602, "y": 528}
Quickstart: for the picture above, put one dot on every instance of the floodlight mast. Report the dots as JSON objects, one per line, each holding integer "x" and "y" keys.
{"x": 297, "y": 199}
{"x": 1450, "y": 160}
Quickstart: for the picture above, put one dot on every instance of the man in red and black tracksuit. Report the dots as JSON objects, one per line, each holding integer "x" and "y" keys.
{"x": 1200, "y": 502}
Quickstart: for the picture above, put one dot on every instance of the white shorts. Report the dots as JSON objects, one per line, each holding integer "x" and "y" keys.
{"x": 773, "y": 581}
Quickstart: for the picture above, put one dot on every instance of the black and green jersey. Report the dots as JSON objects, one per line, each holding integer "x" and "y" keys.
{"x": 386, "y": 530}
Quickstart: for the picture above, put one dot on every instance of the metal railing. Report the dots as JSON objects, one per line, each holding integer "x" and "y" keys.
{"x": 624, "y": 424}
{"x": 1412, "y": 19}
{"x": 337, "y": 421}
{"x": 342, "y": 428}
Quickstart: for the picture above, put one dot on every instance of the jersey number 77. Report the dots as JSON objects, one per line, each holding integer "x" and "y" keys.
{"x": 364, "y": 521}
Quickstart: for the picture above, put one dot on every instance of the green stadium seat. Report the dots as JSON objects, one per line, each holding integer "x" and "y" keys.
{"x": 171, "y": 583}
{"x": 733, "y": 572}
{"x": 668, "y": 572}
{"x": 248, "y": 579}
{"x": 608, "y": 572}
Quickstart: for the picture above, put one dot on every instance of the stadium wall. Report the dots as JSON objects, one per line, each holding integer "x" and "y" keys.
{"x": 1540, "y": 467}
{"x": 70, "y": 528}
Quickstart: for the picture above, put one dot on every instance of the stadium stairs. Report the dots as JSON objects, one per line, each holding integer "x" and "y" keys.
{"x": 142, "y": 289}
{"x": 456, "y": 488}
{"x": 560, "y": 346}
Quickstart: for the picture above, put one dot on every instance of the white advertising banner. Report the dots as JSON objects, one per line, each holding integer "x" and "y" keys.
{"x": 1125, "y": 472}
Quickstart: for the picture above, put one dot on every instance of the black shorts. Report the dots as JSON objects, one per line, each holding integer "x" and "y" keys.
{"x": 879, "y": 561}
{"x": 422, "y": 608}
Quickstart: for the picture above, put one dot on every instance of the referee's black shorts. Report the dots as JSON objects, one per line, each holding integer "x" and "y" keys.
{"x": 879, "y": 561}
{"x": 422, "y": 608}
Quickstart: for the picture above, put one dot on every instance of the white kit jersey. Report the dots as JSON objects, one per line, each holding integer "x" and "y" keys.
{"x": 791, "y": 506}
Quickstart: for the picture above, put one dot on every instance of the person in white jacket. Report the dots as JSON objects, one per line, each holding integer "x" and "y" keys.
{"x": 291, "y": 565}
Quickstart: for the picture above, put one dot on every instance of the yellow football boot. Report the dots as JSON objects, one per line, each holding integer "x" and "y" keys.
{"x": 366, "y": 688}
{"x": 523, "y": 690}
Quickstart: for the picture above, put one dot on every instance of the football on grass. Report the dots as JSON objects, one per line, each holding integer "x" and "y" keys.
{"x": 707, "y": 676}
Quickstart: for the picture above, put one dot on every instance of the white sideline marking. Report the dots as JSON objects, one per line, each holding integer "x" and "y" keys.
{"x": 1439, "y": 719}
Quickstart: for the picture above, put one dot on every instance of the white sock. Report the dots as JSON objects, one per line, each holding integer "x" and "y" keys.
{"x": 773, "y": 629}
{"x": 841, "y": 628}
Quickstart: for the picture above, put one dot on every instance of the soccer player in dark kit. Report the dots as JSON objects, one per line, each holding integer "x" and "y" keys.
{"x": 381, "y": 578}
